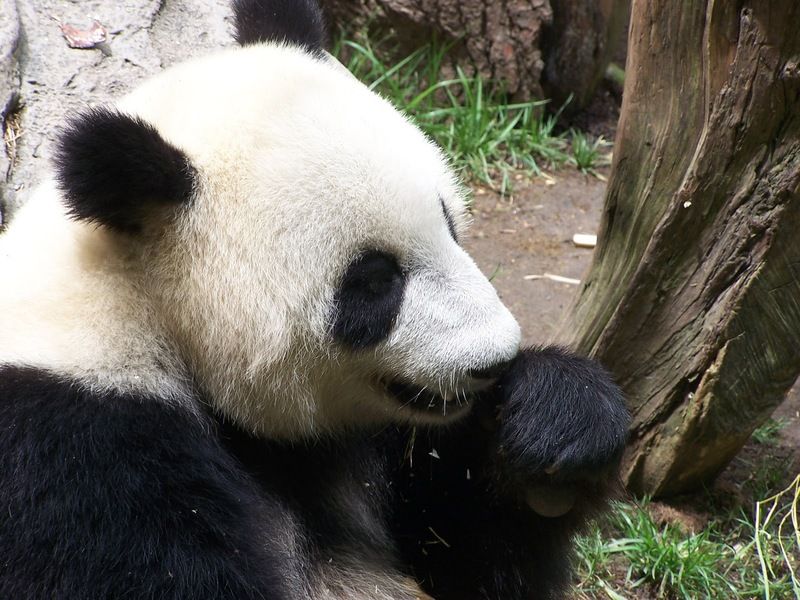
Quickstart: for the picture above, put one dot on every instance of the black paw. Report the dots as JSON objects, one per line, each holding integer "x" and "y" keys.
{"x": 562, "y": 419}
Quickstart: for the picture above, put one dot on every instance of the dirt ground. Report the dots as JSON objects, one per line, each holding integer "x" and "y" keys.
{"x": 530, "y": 233}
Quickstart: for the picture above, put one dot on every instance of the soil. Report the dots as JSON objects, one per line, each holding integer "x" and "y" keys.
{"x": 530, "y": 234}
{"x": 762, "y": 469}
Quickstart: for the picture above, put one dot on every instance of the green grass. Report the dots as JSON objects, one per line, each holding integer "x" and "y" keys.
{"x": 665, "y": 560}
{"x": 586, "y": 154}
{"x": 769, "y": 432}
{"x": 629, "y": 555}
{"x": 675, "y": 564}
{"x": 488, "y": 139}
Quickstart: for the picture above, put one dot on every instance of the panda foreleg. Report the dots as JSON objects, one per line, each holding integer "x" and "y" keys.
{"x": 487, "y": 507}
{"x": 560, "y": 428}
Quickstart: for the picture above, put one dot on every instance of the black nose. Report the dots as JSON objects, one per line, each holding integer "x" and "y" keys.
{"x": 492, "y": 371}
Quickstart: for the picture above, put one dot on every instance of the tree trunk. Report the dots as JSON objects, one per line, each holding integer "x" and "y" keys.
{"x": 693, "y": 298}
{"x": 504, "y": 41}
{"x": 579, "y": 46}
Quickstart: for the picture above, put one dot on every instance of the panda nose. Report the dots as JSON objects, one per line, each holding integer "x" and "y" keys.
{"x": 492, "y": 371}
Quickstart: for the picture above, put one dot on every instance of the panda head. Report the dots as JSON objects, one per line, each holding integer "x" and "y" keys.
{"x": 296, "y": 236}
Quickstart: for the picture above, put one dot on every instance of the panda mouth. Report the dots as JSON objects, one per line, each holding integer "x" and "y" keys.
{"x": 424, "y": 400}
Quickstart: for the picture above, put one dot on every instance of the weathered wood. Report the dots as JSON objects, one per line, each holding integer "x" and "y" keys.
{"x": 504, "y": 41}
{"x": 693, "y": 298}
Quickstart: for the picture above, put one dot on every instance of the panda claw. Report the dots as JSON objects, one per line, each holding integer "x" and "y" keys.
{"x": 551, "y": 501}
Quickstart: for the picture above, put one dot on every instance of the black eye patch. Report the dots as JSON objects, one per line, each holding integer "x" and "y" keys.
{"x": 368, "y": 300}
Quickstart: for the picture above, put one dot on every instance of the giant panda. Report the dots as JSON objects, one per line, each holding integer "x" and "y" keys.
{"x": 243, "y": 355}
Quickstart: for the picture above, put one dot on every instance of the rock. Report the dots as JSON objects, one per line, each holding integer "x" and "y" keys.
{"x": 9, "y": 89}
{"x": 51, "y": 80}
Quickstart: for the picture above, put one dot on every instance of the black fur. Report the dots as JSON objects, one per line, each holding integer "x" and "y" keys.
{"x": 462, "y": 519}
{"x": 113, "y": 495}
{"x": 112, "y": 167}
{"x": 105, "y": 495}
{"x": 492, "y": 371}
{"x": 451, "y": 225}
{"x": 312, "y": 478}
{"x": 561, "y": 417}
{"x": 465, "y": 538}
{"x": 298, "y": 22}
{"x": 368, "y": 300}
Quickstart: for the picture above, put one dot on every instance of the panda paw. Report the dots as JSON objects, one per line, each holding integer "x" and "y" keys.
{"x": 562, "y": 423}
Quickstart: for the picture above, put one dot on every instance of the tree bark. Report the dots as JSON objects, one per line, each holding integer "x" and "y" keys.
{"x": 578, "y": 47}
{"x": 504, "y": 41}
{"x": 693, "y": 297}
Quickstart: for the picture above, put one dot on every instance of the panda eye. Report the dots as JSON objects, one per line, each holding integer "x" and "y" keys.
{"x": 368, "y": 300}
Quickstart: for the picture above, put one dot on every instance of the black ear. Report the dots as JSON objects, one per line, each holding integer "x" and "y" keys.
{"x": 297, "y": 22}
{"x": 112, "y": 167}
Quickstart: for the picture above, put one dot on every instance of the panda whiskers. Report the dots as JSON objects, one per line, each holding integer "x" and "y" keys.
{"x": 451, "y": 391}
{"x": 439, "y": 398}
{"x": 420, "y": 393}
{"x": 443, "y": 396}
{"x": 415, "y": 398}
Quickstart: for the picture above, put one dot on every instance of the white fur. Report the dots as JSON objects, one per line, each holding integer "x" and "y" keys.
{"x": 71, "y": 302}
{"x": 355, "y": 581}
{"x": 300, "y": 168}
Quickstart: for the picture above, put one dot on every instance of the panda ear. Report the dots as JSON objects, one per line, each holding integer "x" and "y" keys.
{"x": 112, "y": 167}
{"x": 298, "y": 22}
